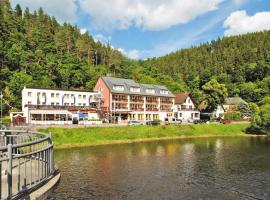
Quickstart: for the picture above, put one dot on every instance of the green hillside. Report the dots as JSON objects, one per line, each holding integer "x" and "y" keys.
{"x": 36, "y": 50}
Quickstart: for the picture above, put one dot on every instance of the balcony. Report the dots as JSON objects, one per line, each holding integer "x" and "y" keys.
{"x": 59, "y": 107}
{"x": 151, "y": 109}
{"x": 137, "y": 109}
{"x": 166, "y": 102}
{"x": 141, "y": 101}
{"x": 187, "y": 109}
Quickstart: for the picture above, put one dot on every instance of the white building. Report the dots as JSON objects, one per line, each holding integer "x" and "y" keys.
{"x": 185, "y": 108}
{"x": 54, "y": 106}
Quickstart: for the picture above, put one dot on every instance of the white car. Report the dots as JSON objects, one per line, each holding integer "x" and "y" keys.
{"x": 134, "y": 123}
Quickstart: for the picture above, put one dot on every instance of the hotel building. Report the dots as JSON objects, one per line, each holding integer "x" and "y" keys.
{"x": 53, "y": 106}
{"x": 124, "y": 99}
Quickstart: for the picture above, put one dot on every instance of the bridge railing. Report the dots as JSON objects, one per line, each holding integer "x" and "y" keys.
{"x": 26, "y": 162}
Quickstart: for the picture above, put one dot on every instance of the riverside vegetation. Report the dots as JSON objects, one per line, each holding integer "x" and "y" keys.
{"x": 76, "y": 137}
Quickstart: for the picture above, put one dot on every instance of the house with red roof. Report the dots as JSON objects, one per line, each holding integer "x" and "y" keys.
{"x": 185, "y": 107}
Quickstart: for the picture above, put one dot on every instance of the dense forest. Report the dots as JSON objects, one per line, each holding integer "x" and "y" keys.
{"x": 36, "y": 50}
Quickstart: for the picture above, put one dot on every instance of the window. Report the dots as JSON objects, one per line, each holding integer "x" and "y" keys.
{"x": 118, "y": 87}
{"x": 180, "y": 114}
{"x": 29, "y": 102}
{"x": 84, "y": 96}
{"x": 72, "y": 95}
{"x": 72, "y": 104}
{"x": 135, "y": 89}
{"x": 80, "y": 96}
{"x": 29, "y": 94}
{"x": 164, "y": 92}
{"x": 151, "y": 91}
{"x": 79, "y": 104}
{"x": 57, "y": 104}
{"x": 52, "y": 103}
{"x": 188, "y": 100}
{"x": 57, "y": 95}
{"x": 67, "y": 96}
{"x": 43, "y": 94}
{"x": 52, "y": 95}
{"x": 84, "y": 104}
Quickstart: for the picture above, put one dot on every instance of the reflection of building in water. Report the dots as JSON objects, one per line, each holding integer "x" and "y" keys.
{"x": 171, "y": 149}
{"x": 219, "y": 155}
{"x": 188, "y": 152}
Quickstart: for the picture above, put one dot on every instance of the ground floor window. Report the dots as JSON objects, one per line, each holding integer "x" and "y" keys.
{"x": 140, "y": 116}
{"x": 196, "y": 115}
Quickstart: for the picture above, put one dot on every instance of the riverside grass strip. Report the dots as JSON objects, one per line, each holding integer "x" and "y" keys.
{"x": 75, "y": 137}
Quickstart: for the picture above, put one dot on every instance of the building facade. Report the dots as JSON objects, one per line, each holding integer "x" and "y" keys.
{"x": 185, "y": 108}
{"x": 124, "y": 100}
{"x": 52, "y": 106}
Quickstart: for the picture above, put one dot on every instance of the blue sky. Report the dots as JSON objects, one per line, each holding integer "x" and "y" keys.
{"x": 150, "y": 28}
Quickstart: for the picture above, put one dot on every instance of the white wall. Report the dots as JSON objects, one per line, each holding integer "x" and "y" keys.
{"x": 81, "y": 98}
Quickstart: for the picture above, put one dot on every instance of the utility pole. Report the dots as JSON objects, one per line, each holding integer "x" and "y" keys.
{"x": 1, "y": 96}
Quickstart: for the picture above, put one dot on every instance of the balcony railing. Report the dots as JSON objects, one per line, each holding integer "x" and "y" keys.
{"x": 120, "y": 99}
{"x": 137, "y": 109}
{"x": 166, "y": 102}
{"x": 188, "y": 109}
{"x": 136, "y": 101}
{"x": 60, "y": 107}
{"x": 151, "y": 109}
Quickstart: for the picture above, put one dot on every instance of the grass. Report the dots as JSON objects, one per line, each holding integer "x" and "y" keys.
{"x": 74, "y": 137}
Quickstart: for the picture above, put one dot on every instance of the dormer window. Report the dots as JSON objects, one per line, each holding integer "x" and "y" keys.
{"x": 164, "y": 92}
{"x": 118, "y": 87}
{"x": 135, "y": 89}
{"x": 150, "y": 91}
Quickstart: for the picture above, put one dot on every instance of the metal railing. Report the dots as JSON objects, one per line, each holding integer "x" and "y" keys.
{"x": 26, "y": 162}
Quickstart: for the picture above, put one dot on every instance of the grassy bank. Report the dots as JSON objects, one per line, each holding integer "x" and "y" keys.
{"x": 73, "y": 137}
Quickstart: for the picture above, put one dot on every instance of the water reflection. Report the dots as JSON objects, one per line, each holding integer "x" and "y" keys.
{"x": 212, "y": 168}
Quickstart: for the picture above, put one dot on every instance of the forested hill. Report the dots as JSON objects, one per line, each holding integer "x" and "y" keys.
{"x": 36, "y": 50}
{"x": 242, "y": 63}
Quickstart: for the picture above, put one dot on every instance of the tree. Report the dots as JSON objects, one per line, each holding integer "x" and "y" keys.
{"x": 265, "y": 118}
{"x": 244, "y": 110}
{"x": 215, "y": 94}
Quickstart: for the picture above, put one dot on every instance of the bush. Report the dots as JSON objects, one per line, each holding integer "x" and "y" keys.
{"x": 236, "y": 116}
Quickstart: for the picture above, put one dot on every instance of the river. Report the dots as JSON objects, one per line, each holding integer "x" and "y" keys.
{"x": 202, "y": 168}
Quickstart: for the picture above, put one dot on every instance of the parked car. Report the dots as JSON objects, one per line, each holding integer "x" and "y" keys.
{"x": 2, "y": 127}
{"x": 172, "y": 121}
{"x": 153, "y": 123}
{"x": 200, "y": 121}
{"x": 134, "y": 123}
{"x": 226, "y": 121}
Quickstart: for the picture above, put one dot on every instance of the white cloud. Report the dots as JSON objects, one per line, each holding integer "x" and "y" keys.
{"x": 83, "y": 30}
{"x": 239, "y": 22}
{"x": 148, "y": 14}
{"x": 102, "y": 38}
{"x": 132, "y": 54}
{"x": 64, "y": 11}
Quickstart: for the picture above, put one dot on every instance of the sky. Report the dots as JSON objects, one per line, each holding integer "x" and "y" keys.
{"x": 144, "y": 29}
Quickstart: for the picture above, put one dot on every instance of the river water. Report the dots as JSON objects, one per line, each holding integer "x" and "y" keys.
{"x": 206, "y": 168}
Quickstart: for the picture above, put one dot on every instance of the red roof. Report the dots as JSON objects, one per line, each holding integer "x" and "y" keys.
{"x": 180, "y": 98}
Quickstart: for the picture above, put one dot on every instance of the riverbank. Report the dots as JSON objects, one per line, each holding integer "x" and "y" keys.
{"x": 78, "y": 137}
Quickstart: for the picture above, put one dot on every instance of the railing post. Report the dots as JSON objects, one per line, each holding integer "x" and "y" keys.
{"x": 9, "y": 171}
{"x": 51, "y": 156}
{"x": 0, "y": 180}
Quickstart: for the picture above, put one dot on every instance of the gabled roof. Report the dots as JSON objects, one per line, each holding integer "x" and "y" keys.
{"x": 234, "y": 101}
{"x": 180, "y": 98}
{"x": 128, "y": 83}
